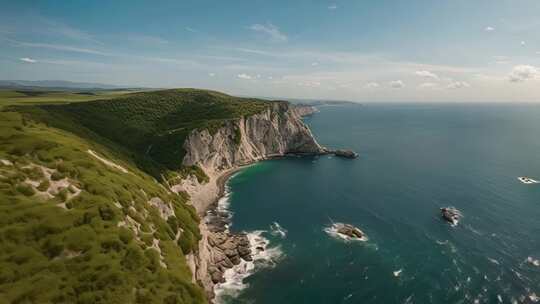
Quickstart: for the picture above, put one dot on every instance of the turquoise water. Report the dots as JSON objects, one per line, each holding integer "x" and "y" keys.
{"x": 414, "y": 160}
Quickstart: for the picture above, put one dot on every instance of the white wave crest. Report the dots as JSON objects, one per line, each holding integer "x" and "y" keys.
{"x": 263, "y": 257}
{"x": 533, "y": 261}
{"x": 277, "y": 230}
{"x": 333, "y": 232}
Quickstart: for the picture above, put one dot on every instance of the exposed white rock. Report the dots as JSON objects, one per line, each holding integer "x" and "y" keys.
{"x": 107, "y": 162}
{"x": 6, "y": 162}
{"x": 165, "y": 209}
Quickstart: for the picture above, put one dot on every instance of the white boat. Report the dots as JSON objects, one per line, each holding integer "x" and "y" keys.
{"x": 527, "y": 180}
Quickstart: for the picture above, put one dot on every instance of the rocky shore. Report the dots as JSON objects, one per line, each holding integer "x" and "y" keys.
{"x": 277, "y": 132}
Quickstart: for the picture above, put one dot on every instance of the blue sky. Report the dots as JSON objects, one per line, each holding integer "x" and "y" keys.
{"x": 458, "y": 50}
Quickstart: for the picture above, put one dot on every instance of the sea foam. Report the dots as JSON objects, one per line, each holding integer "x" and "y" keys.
{"x": 263, "y": 255}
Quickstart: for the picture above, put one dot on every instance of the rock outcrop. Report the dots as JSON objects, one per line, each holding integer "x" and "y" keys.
{"x": 305, "y": 110}
{"x": 277, "y": 131}
{"x": 346, "y": 153}
{"x": 350, "y": 231}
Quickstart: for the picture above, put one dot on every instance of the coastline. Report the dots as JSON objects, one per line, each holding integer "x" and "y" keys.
{"x": 223, "y": 258}
{"x": 221, "y": 183}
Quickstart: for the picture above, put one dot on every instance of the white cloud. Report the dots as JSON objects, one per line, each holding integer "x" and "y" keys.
{"x": 522, "y": 43}
{"x": 501, "y": 59}
{"x": 397, "y": 84}
{"x": 458, "y": 85}
{"x": 191, "y": 30}
{"x": 522, "y": 73}
{"x": 61, "y": 47}
{"x": 489, "y": 29}
{"x": 427, "y": 74}
{"x": 28, "y": 60}
{"x": 310, "y": 84}
{"x": 332, "y": 7}
{"x": 314, "y": 63}
{"x": 428, "y": 85}
{"x": 211, "y": 74}
{"x": 372, "y": 85}
{"x": 271, "y": 30}
{"x": 244, "y": 76}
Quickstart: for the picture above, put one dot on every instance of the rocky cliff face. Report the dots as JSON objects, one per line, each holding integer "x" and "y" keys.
{"x": 274, "y": 132}
{"x": 305, "y": 110}
{"x": 277, "y": 131}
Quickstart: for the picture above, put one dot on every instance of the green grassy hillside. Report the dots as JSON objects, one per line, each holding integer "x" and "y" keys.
{"x": 82, "y": 220}
{"x": 152, "y": 126}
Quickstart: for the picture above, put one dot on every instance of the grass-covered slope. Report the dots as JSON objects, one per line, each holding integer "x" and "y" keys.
{"x": 82, "y": 218}
{"x": 76, "y": 228}
{"x": 152, "y": 126}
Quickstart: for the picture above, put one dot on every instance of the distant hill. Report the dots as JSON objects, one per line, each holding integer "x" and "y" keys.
{"x": 56, "y": 85}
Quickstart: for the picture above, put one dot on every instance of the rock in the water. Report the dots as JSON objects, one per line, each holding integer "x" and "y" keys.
{"x": 350, "y": 231}
{"x": 451, "y": 215}
{"x": 346, "y": 153}
{"x": 216, "y": 275}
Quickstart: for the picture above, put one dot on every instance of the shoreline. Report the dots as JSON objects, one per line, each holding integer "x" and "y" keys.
{"x": 221, "y": 183}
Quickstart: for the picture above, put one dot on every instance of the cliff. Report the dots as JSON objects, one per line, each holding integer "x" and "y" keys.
{"x": 305, "y": 110}
{"x": 274, "y": 132}
{"x": 90, "y": 172}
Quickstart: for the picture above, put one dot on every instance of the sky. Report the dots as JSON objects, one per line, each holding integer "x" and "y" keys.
{"x": 359, "y": 50}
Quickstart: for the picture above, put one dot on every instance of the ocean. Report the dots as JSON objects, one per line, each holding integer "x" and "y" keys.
{"x": 414, "y": 159}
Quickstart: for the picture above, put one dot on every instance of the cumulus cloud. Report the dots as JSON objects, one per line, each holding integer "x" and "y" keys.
{"x": 314, "y": 63}
{"x": 489, "y": 29}
{"x": 397, "y": 84}
{"x": 458, "y": 85}
{"x": 270, "y": 30}
{"x": 427, "y": 74}
{"x": 211, "y": 74}
{"x": 372, "y": 85}
{"x": 523, "y": 43}
{"x": 244, "y": 76}
{"x": 522, "y": 73}
{"x": 332, "y": 7}
{"x": 27, "y": 60}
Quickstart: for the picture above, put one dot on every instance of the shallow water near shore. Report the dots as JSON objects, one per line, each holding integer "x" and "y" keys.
{"x": 413, "y": 160}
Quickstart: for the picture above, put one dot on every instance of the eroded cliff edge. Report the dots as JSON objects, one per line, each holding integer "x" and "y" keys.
{"x": 276, "y": 131}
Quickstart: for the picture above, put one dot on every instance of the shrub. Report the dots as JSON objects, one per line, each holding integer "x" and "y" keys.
{"x": 56, "y": 176}
{"x": 44, "y": 185}
{"x": 25, "y": 189}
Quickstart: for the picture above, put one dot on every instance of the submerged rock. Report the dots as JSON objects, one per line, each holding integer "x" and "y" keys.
{"x": 346, "y": 153}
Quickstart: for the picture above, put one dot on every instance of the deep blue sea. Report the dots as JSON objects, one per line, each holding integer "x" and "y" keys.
{"x": 414, "y": 159}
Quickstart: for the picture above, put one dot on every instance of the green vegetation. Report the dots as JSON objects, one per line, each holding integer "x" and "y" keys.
{"x": 85, "y": 254}
{"x": 150, "y": 127}
{"x": 18, "y": 97}
{"x": 76, "y": 230}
